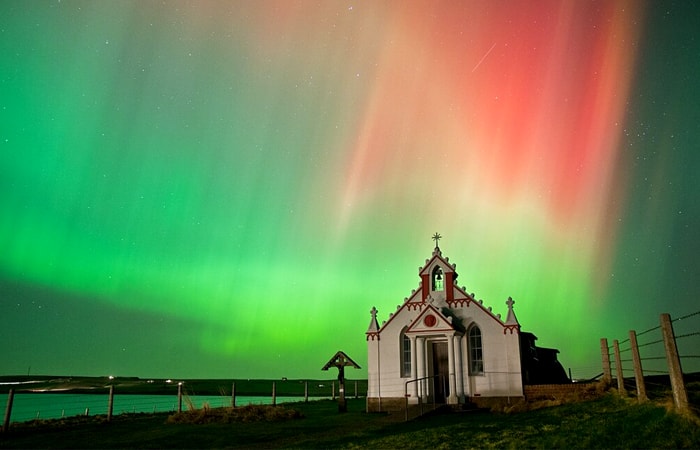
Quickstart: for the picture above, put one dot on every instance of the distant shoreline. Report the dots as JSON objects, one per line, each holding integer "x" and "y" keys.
{"x": 134, "y": 385}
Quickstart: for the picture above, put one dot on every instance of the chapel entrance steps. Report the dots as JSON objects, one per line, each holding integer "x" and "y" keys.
{"x": 414, "y": 411}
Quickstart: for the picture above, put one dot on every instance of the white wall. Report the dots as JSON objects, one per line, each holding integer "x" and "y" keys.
{"x": 501, "y": 355}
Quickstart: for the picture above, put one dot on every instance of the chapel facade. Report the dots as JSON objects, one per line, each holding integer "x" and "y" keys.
{"x": 442, "y": 344}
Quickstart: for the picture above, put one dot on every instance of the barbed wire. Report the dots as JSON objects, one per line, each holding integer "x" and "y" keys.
{"x": 649, "y": 330}
{"x": 686, "y": 316}
{"x": 696, "y": 333}
{"x": 650, "y": 343}
{"x": 652, "y": 357}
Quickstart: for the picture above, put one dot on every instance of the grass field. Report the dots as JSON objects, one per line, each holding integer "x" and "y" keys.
{"x": 609, "y": 422}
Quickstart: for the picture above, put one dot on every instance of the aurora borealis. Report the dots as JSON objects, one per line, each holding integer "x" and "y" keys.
{"x": 226, "y": 188}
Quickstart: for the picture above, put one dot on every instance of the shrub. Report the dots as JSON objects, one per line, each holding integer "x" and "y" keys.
{"x": 249, "y": 413}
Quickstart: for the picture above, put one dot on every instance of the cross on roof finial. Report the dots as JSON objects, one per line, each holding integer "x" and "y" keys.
{"x": 436, "y": 237}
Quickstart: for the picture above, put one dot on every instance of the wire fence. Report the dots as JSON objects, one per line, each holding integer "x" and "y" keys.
{"x": 656, "y": 359}
{"x": 583, "y": 374}
{"x": 650, "y": 343}
{"x": 25, "y": 405}
{"x": 37, "y": 406}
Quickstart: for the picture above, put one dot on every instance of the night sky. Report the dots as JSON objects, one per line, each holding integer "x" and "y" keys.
{"x": 224, "y": 189}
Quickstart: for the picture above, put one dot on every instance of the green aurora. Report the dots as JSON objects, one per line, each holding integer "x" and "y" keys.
{"x": 219, "y": 189}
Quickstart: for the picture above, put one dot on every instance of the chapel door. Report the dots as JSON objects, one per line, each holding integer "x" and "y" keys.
{"x": 441, "y": 369}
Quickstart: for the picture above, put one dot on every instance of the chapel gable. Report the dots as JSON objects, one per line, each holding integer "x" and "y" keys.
{"x": 430, "y": 320}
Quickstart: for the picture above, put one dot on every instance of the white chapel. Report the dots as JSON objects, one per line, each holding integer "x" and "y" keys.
{"x": 441, "y": 344}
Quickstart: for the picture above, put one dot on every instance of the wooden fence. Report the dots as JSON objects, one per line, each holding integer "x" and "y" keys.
{"x": 103, "y": 403}
{"x": 654, "y": 351}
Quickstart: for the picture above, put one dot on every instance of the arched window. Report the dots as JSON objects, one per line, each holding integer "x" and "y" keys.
{"x": 476, "y": 355}
{"x": 405, "y": 356}
{"x": 437, "y": 279}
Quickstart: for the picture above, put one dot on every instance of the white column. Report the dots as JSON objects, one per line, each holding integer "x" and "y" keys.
{"x": 420, "y": 350}
{"x": 466, "y": 370}
{"x": 373, "y": 368}
{"x": 459, "y": 368}
{"x": 452, "y": 399}
{"x": 414, "y": 366}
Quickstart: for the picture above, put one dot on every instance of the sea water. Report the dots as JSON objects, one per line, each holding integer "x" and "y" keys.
{"x": 30, "y": 406}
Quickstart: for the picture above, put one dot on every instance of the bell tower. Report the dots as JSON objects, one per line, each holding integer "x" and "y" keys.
{"x": 437, "y": 275}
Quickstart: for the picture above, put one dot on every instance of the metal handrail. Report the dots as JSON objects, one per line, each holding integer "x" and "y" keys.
{"x": 420, "y": 398}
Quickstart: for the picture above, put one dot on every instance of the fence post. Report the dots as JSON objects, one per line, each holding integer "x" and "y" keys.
{"x": 638, "y": 372}
{"x": 233, "y": 394}
{"x": 110, "y": 403}
{"x": 355, "y": 388}
{"x": 274, "y": 394}
{"x": 618, "y": 368}
{"x": 605, "y": 354}
{"x": 680, "y": 397}
{"x": 306, "y": 391}
{"x": 179, "y": 397}
{"x": 8, "y": 410}
{"x": 333, "y": 390}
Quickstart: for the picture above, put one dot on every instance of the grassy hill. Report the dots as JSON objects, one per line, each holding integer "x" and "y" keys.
{"x": 608, "y": 422}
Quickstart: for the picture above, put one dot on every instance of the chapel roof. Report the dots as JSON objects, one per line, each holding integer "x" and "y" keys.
{"x": 461, "y": 297}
